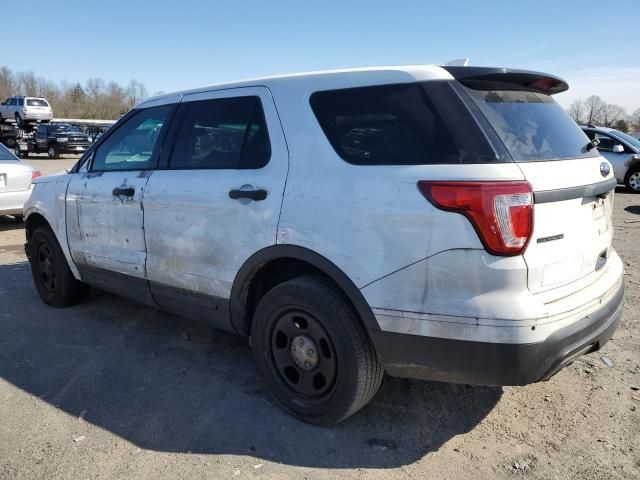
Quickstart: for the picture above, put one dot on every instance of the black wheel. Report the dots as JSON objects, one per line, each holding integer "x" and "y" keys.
{"x": 54, "y": 281}
{"x": 20, "y": 154}
{"x": 19, "y": 121}
{"x": 312, "y": 351}
{"x": 52, "y": 151}
{"x": 10, "y": 142}
{"x": 632, "y": 180}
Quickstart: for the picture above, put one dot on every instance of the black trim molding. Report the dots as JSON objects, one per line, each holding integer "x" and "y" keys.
{"x": 593, "y": 190}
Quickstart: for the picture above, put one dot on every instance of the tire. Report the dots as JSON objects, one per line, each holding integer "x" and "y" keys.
{"x": 52, "y": 151}
{"x": 20, "y": 154}
{"x": 54, "y": 281}
{"x": 19, "y": 121}
{"x": 632, "y": 180}
{"x": 336, "y": 373}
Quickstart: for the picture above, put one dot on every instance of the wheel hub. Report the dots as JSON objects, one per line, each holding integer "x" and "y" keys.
{"x": 304, "y": 352}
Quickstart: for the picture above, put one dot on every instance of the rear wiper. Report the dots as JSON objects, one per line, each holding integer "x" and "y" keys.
{"x": 591, "y": 145}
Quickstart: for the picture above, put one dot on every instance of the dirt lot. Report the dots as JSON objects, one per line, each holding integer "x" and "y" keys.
{"x": 111, "y": 389}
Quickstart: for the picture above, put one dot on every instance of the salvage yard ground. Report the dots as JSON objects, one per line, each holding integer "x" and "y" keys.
{"x": 112, "y": 389}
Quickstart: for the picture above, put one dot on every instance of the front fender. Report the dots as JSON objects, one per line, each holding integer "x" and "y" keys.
{"x": 47, "y": 199}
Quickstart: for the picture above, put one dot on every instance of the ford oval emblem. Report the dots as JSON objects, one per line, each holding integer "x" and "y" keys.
{"x": 604, "y": 169}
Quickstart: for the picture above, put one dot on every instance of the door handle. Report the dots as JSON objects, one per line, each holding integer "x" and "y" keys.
{"x": 256, "y": 195}
{"x": 124, "y": 191}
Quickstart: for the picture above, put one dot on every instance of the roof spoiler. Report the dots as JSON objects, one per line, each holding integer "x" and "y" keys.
{"x": 488, "y": 78}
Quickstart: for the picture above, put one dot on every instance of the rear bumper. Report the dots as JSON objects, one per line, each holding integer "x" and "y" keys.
{"x": 484, "y": 363}
{"x": 11, "y": 203}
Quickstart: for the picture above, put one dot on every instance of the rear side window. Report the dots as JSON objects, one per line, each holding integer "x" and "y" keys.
{"x": 384, "y": 125}
{"x": 36, "y": 102}
{"x": 531, "y": 125}
{"x": 224, "y": 133}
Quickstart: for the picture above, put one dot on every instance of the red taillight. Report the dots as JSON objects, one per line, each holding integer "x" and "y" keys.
{"x": 35, "y": 174}
{"x": 501, "y": 212}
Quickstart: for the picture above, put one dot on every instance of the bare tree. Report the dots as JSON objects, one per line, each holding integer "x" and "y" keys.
{"x": 610, "y": 114}
{"x": 635, "y": 119}
{"x": 593, "y": 106}
{"x": 576, "y": 110}
{"x": 94, "y": 99}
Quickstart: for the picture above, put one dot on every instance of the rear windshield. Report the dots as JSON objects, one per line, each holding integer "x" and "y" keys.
{"x": 36, "y": 102}
{"x": 532, "y": 125}
{"x": 5, "y": 153}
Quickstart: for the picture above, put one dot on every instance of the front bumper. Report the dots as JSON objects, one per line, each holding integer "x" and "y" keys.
{"x": 77, "y": 148}
{"x": 484, "y": 363}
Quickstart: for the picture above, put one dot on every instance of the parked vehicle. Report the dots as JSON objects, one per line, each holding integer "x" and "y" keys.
{"x": 25, "y": 109}
{"x": 15, "y": 183}
{"x": 439, "y": 223}
{"x": 8, "y": 135}
{"x": 59, "y": 138}
{"x": 622, "y": 151}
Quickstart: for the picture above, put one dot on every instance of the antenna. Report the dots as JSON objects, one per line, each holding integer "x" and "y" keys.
{"x": 458, "y": 62}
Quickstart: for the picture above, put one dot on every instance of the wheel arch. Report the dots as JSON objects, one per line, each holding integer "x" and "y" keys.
{"x": 275, "y": 264}
{"x": 34, "y": 221}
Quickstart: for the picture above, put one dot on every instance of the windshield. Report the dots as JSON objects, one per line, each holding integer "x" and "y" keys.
{"x": 37, "y": 102}
{"x": 5, "y": 154}
{"x": 64, "y": 128}
{"x": 532, "y": 126}
{"x": 634, "y": 142}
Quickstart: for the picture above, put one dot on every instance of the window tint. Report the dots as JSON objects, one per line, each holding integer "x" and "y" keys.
{"x": 21, "y": 102}
{"x": 531, "y": 125}
{"x": 384, "y": 125}
{"x": 133, "y": 146}
{"x": 221, "y": 133}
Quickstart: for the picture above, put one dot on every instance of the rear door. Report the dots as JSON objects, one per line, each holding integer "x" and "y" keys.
{"x": 573, "y": 187}
{"x": 217, "y": 199}
{"x": 104, "y": 205}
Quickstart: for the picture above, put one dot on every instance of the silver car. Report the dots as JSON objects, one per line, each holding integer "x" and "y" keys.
{"x": 25, "y": 109}
{"x": 15, "y": 182}
{"x": 622, "y": 151}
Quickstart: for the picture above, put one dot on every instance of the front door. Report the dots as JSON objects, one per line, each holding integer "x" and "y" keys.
{"x": 105, "y": 205}
{"x": 217, "y": 199}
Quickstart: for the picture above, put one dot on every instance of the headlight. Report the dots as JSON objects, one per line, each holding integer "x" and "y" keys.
{"x": 63, "y": 139}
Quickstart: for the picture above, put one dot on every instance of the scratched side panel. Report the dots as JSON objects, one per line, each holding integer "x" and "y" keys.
{"x": 368, "y": 220}
{"x": 197, "y": 237}
{"x": 106, "y": 231}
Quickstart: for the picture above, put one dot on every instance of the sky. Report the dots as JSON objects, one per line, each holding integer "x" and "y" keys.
{"x": 179, "y": 44}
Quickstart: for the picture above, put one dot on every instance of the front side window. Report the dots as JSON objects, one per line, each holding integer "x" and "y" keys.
{"x": 606, "y": 142}
{"x": 221, "y": 133}
{"x": 134, "y": 145}
{"x": 384, "y": 125}
{"x": 531, "y": 125}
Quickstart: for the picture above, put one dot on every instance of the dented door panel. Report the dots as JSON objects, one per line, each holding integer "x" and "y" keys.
{"x": 198, "y": 237}
{"x": 104, "y": 230}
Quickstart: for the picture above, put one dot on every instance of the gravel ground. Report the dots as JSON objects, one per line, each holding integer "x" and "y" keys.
{"x": 112, "y": 389}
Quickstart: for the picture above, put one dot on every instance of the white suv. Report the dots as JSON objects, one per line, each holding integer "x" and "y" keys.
{"x": 440, "y": 223}
{"x": 25, "y": 109}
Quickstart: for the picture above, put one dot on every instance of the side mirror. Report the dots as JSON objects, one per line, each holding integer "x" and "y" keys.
{"x": 617, "y": 148}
